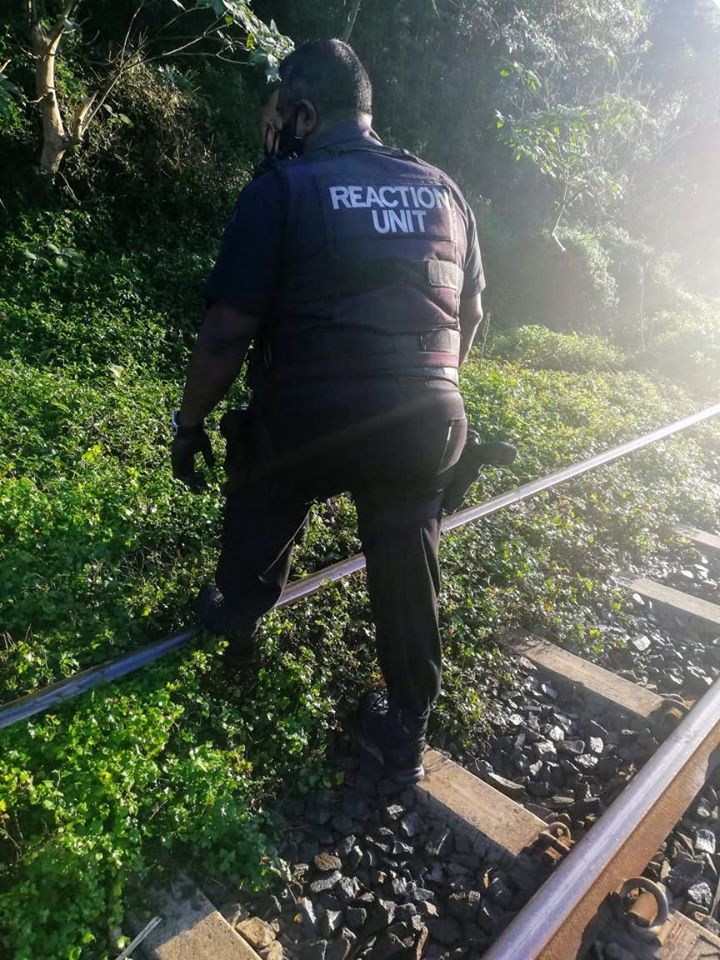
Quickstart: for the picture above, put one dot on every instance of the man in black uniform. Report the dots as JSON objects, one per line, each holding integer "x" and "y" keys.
{"x": 355, "y": 272}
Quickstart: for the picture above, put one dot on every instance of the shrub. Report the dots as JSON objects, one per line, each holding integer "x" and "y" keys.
{"x": 537, "y": 347}
{"x": 565, "y": 289}
{"x": 685, "y": 344}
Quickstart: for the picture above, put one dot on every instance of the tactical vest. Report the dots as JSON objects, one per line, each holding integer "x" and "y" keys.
{"x": 372, "y": 267}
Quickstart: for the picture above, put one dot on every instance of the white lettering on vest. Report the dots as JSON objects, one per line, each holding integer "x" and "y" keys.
{"x": 339, "y": 195}
{"x": 399, "y": 221}
{"x": 385, "y": 228}
{"x": 372, "y": 198}
{"x": 426, "y": 198}
{"x": 420, "y": 214}
{"x": 383, "y": 191}
{"x": 394, "y": 208}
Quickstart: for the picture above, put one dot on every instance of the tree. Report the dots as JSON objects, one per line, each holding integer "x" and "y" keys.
{"x": 155, "y": 30}
{"x": 576, "y": 149}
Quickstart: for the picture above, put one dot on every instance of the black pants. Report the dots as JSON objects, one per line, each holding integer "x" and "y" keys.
{"x": 391, "y": 443}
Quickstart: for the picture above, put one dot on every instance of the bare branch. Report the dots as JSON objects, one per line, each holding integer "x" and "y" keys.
{"x": 174, "y": 20}
{"x": 69, "y": 190}
{"x": 352, "y": 17}
{"x": 129, "y": 30}
{"x": 219, "y": 56}
{"x": 207, "y": 34}
{"x": 96, "y": 103}
{"x": 82, "y": 119}
{"x": 563, "y": 205}
{"x": 125, "y": 63}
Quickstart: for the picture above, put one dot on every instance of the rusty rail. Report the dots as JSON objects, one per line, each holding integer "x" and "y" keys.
{"x": 552, "y": 926}
{"x": 60, "y": 692}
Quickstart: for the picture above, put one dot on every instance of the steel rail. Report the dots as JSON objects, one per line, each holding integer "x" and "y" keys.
{"x": 56, "y": 693}
{"x": 39, "y": 701}
{"x": 620, "y": 844}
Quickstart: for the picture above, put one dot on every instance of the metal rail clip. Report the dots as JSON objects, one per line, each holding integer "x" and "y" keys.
{"x": 672, "y": 711}
{"x": 643, "y": 905}
{"x": 555, "y": 842}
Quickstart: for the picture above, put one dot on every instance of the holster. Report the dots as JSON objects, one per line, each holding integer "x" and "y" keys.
{"x": 474, "y": 457}
{"x": 236, "y": 428}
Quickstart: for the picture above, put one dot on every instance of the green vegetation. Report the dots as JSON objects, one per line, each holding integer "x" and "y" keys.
{"x": 538, "y": 347}
{"x": 101, "y": 274}
{"x": 101, "y": 551}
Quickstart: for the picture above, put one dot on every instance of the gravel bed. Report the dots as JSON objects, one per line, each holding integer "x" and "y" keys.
{"x": 660, "y": 651}
{"x": 567, "y": 760}
{"x": 690, "y": 569}
{"x": 688, "y": 863}
{"x": 376, "y": 872}
{"x": 564, "y": 759}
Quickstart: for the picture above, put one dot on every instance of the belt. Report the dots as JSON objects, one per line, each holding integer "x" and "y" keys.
{"x": 429, "y": 373}
{"x": 423, "y": 364}
{"x": 336, "y": 346}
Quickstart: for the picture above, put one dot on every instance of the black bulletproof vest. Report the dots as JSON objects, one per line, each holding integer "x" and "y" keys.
{"x": 372, "y": 265}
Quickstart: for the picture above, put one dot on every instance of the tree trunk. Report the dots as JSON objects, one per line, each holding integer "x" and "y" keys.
{"x": 481, "y": 337}
{"x": 55, "y": 139}
{"x": 643, "y": 344}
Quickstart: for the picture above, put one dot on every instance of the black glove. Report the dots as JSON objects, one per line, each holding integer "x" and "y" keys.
{"x": 187, "y": 442}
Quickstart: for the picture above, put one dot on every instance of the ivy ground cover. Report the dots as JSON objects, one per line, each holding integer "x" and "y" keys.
{"x": 100, "y": 550}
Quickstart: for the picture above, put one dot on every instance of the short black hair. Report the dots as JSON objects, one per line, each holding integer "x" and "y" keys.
{"x": 331, "y": 76}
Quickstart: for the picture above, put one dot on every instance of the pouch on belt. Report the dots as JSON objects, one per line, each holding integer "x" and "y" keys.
{"x": 236, "y": 428}
{"x": 474, "y": 457}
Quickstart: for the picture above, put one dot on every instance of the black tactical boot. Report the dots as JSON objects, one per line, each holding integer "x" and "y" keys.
{"x": 394, "y": 737}
{"x": 215, "y": 616}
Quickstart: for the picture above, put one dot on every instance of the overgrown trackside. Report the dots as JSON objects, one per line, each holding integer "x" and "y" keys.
{"x": 101, "y": 551}
{"x": 100, "y": 294}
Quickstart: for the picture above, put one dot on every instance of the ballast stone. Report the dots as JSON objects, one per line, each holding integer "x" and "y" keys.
{"x": 258, "y": 933}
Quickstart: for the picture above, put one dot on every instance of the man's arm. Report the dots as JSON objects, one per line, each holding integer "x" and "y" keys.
{"x": 471, "y": 312}
{"x": 217, "y": 358}
{"x": 470, "y": 316}
{"x": 241, "y": 289}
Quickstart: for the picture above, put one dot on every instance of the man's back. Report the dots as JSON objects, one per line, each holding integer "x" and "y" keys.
{"x": 351, "y": 240}
{"x": 356, "y": 270}
{"x": 363, "y": 219}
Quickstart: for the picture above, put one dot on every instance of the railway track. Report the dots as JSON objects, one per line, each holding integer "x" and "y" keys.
{"x": 591, "y": 903}
{"x": 590, "y": 898}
